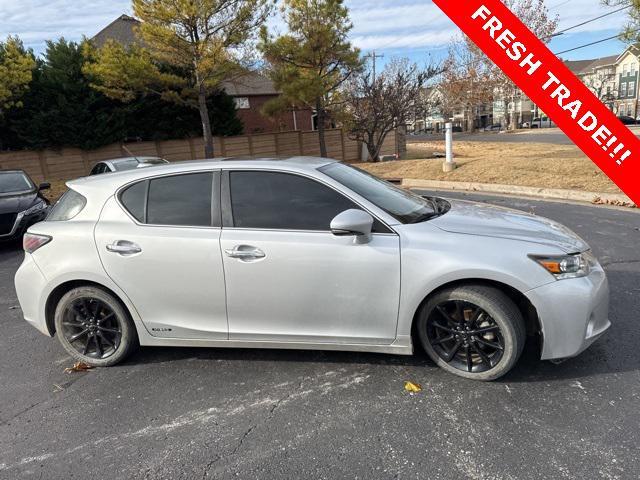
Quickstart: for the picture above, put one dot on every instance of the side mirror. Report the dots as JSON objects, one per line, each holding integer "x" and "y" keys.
{"x": 353, "y": 222}
{"x": 44, "y": 186}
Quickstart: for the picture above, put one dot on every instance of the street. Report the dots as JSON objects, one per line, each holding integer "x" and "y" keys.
{"x": 553, "y": 136}
{"x": 184, "y": 413}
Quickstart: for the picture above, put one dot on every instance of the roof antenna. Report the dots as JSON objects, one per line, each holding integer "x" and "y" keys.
{"x": 124, "y": 147}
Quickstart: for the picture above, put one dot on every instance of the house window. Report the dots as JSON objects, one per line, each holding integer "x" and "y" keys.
{"x": 631, "y": 90}
{"x": 633, "y": 69}
{"x": 242, "y": 103}
{"x": 623, "y": 89}
{"x": 625, "y": 70}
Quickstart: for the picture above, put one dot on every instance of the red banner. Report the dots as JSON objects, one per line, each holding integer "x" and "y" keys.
{"x": 527, "y": 61}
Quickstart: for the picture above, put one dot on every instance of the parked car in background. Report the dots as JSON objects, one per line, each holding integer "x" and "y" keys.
{"x": 496, "y": 127}
{"x": 305, "y": 253}
{"x": 126, "y": 163}
{"x": 542, "y": 122}
{"x": 21, "y": 203}
{"x": 627, "y": 120}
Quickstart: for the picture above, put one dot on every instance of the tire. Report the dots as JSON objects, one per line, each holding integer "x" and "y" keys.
{"x": 477, "y": 357}
{"x": 94, "y": 327}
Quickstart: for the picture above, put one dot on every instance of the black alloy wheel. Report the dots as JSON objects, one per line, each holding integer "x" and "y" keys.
{"x": 92, "y": 328}
{"x": 465, "y": 336}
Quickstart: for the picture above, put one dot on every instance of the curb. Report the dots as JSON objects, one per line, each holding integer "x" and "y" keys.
{"x": 617, "y": 199}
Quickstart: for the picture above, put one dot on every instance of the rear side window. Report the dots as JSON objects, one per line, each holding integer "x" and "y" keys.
{"x": 178, "y": 200}
{"x": 273, "y": 200}
{"x": 69, "y": 205}
{"x": 133, "y": 199}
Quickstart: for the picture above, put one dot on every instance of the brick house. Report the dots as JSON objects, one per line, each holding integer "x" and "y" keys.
{"x": 250, "y": 91}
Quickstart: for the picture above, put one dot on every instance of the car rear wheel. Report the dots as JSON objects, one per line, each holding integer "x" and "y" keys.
{"x": 473, "y": 331}
{"x": 94, "y": 327}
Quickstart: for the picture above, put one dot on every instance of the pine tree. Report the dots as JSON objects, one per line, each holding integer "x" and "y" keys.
{"x": 186, "y": 49}
{"x": 311, "y": 62}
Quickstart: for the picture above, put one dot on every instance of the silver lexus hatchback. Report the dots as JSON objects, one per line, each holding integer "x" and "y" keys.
{"x": 304, "y": 253}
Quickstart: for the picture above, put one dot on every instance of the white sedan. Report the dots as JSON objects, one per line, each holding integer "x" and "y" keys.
{"x": 303, "y": 253}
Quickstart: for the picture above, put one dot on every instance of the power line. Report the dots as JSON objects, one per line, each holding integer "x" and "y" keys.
{"x": 592, "y": 20}
{"x": 588, "y": 44}
{"x": 558, "y": 5}
{"x": 586, "y": 22}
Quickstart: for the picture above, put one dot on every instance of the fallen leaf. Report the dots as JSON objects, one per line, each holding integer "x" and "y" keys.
{"x": 412, "y": 387}
{"x": 78, "y": 367}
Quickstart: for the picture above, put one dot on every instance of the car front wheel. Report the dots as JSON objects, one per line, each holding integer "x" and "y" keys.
{"x": 473, "y": 331}
{"x": 94, "y": 327}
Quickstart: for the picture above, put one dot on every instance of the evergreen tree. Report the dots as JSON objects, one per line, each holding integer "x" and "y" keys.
{"x": 312, "y": 61}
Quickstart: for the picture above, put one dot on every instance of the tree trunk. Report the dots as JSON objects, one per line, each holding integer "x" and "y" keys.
{"x": 372, "y": 148}
{"x": 321, "y": 118}
{"x": 206, "y": 123}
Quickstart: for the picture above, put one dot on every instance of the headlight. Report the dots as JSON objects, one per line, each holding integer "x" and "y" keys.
{"x": 38, "y": 207}
{"x": 567, "y": 266}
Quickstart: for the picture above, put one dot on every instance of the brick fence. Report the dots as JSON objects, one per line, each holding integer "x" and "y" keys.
{"x": 68, "y": 163}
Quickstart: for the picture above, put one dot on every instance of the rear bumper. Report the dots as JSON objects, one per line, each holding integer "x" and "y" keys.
{"x": 30, "y": 283}
{"x": 573, "y": 313}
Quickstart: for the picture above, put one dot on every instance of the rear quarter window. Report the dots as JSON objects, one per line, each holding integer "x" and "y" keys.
{"x": 69, "y": 205}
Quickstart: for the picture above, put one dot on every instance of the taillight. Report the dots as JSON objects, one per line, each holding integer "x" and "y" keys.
{"x": 32, "y": 241}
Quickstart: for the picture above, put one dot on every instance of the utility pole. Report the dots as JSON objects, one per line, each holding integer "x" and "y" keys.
{"x": 373, "y": 56}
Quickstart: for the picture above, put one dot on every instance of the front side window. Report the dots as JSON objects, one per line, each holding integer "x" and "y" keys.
{"x": 177, "y": 200}
{"x": 403, "y": 205}
{"x": 283, "y": 201}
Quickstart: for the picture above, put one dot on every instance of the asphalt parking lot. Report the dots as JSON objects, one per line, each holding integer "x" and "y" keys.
{"x": 216, "y": 413}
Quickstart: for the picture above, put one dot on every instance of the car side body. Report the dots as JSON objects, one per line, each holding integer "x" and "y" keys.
{"x": 227, "y": 286}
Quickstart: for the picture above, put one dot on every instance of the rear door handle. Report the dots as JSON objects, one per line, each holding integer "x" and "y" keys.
{"x": 245, "y": 252}
{"x": 124, "y": 247}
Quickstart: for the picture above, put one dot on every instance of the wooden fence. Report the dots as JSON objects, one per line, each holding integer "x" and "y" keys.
{"x": 68, "y": 163}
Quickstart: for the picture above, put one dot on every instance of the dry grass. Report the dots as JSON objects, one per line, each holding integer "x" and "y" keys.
{"x": 526, "y": 164}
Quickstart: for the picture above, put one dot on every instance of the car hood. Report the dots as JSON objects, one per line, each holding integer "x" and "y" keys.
{"x": 491, "y": 221}
{"x": 17, "y": 203}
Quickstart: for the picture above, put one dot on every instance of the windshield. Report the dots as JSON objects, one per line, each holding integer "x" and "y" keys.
{"x": 14, "y": 182}
{"x": 125, "y": 165}
{"x": 403, "y": 205}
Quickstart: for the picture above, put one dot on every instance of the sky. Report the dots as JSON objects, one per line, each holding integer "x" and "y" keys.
{"x": 393, "y": 28}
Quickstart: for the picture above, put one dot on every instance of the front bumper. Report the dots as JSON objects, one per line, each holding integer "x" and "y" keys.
{"x": 22, "y": 223}
{"x": 573, "y": 313}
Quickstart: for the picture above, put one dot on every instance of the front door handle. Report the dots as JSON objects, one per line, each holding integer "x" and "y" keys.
{"x": 245, "y": 252}
{"x": 124, "y": 247}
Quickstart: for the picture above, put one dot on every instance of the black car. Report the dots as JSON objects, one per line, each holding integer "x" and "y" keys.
{"x": 21, "y": 203}
{"x": 627, "y": 120}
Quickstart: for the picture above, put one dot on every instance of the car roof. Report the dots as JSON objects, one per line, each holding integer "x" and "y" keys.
{"x": 115, "y": 180}
{"x": 129, "y": 159}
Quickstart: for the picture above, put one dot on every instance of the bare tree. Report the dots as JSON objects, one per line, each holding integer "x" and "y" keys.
{"x": 471, "y": 64}
{"x": 376, "y": 105}
{"x": 466, "y": 82}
